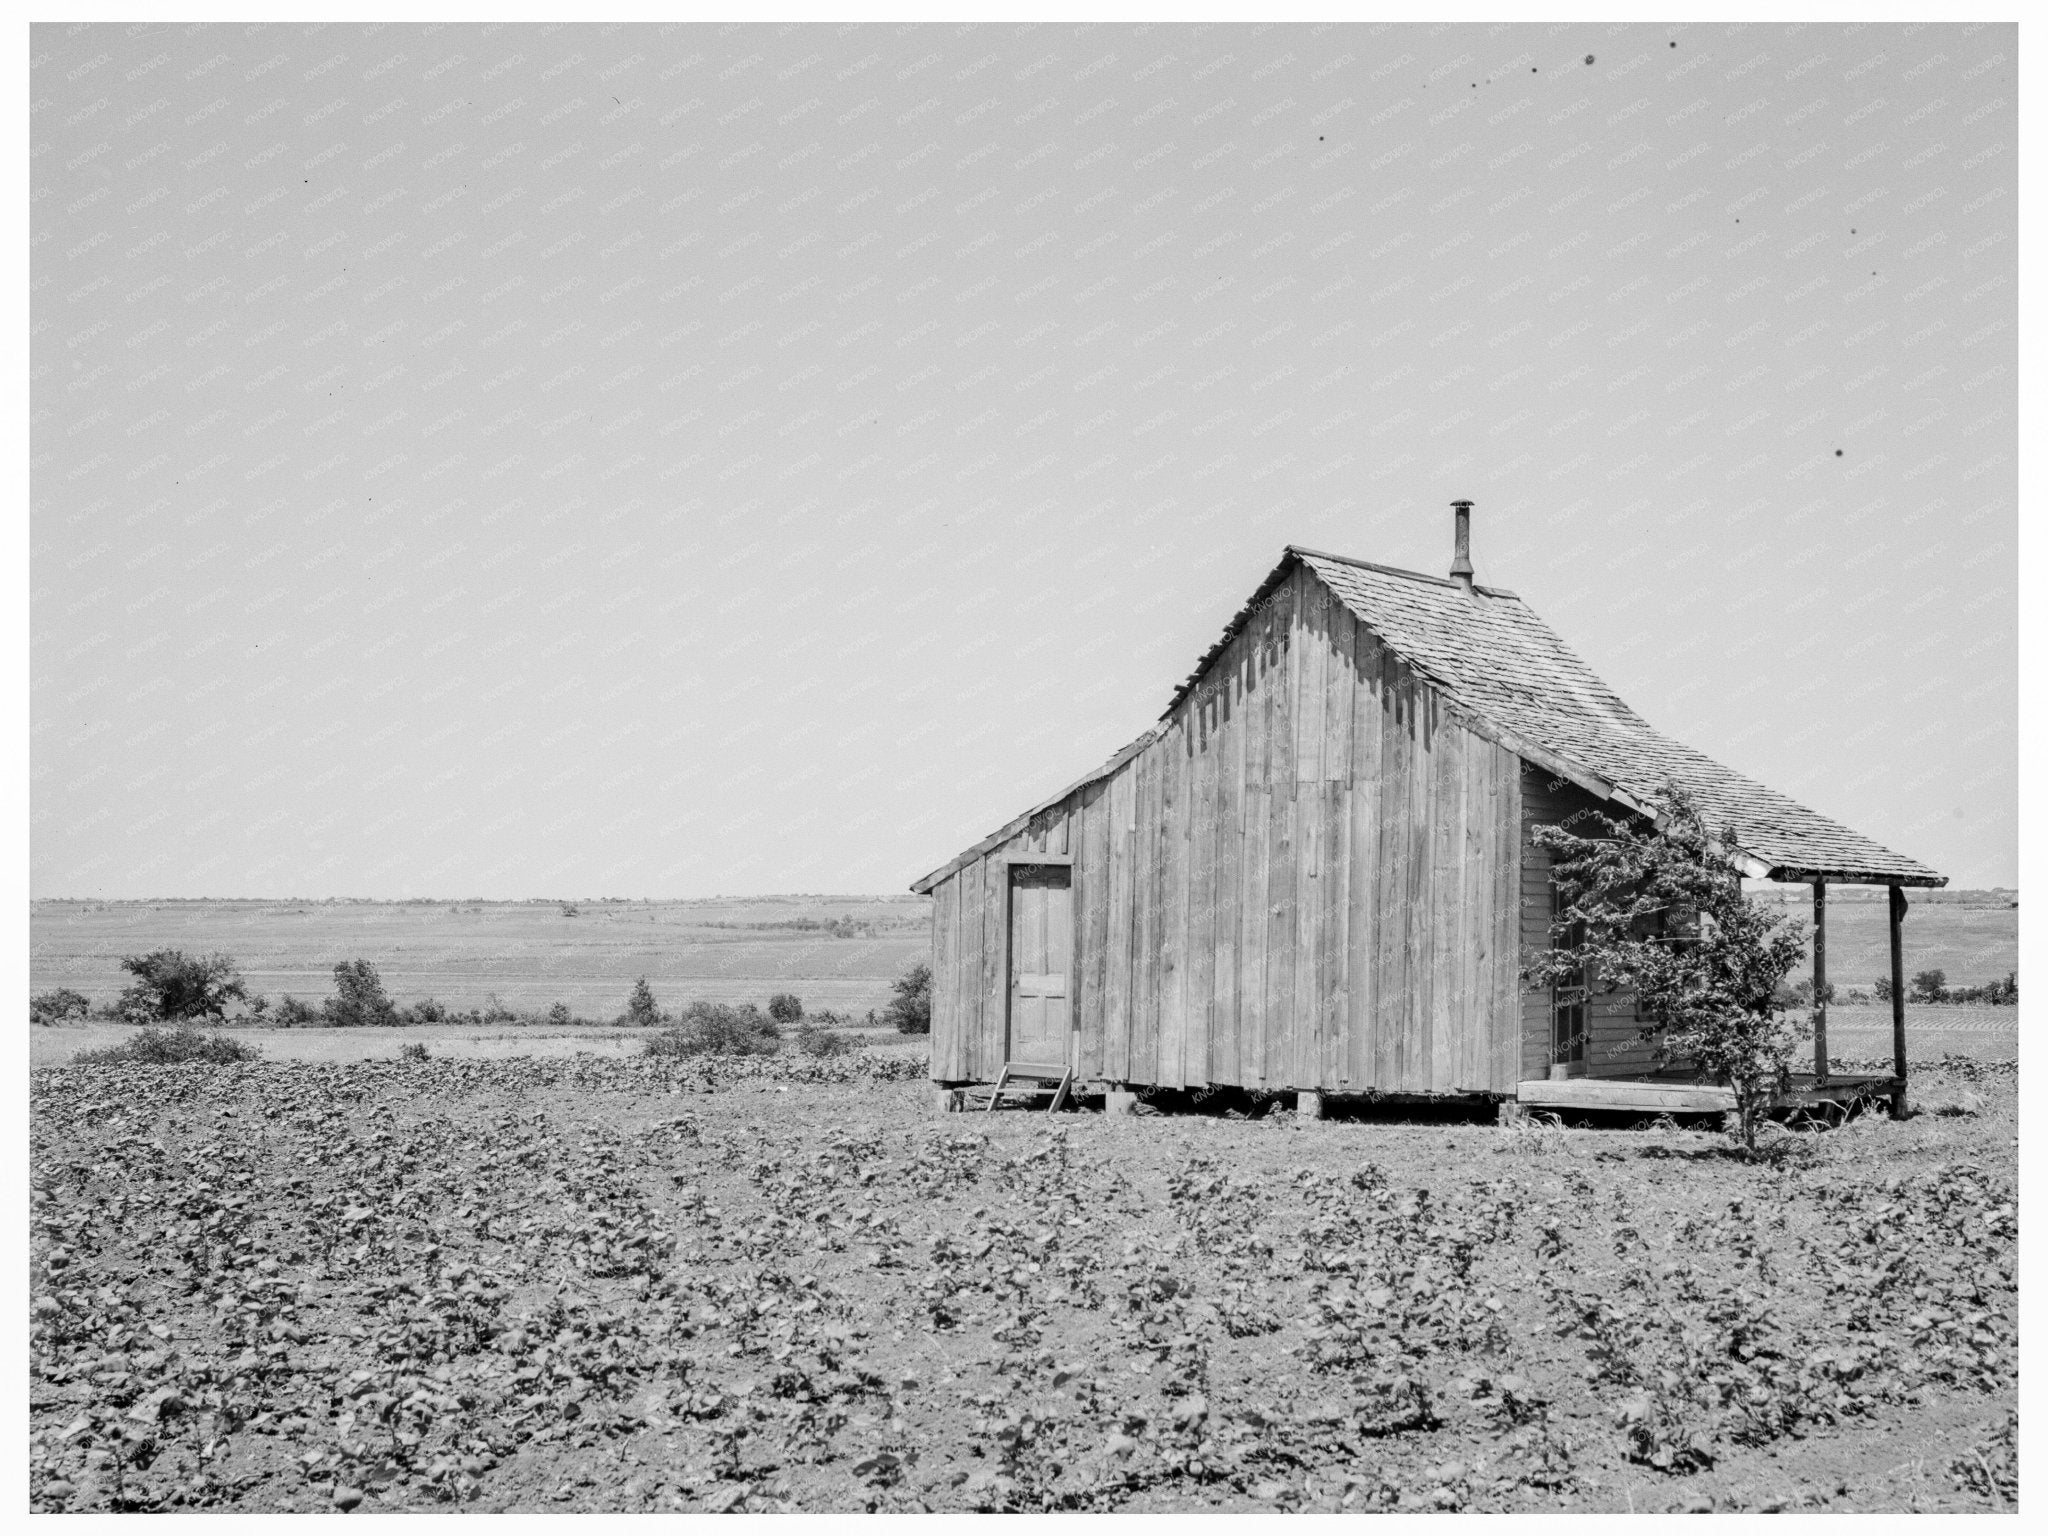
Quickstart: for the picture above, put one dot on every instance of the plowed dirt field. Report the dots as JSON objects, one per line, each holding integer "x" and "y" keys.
{"x": 602, "y": 1284}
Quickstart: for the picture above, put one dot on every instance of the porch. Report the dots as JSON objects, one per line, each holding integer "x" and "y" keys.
{"x": 1832, "y": 1097}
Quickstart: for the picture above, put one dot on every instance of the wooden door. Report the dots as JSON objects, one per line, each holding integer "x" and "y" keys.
{"x": 1041, "y": 962}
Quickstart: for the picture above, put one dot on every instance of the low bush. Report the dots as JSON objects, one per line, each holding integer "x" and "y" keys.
{"x": 52, "y": 1007}
{"x": 359, "y": 998}
{"x": 822, "y": 1043}
{"x": 293, "y": 1014}
{"x": 718, "y": 1029}
{"x": 425, "y": 1011}
{"x": 910, "y": 1010}
{"x": 641, "y": 1010}
{"x": 170, "y": 984}
{"x": 785, "y": 1007}
{"x": 413, "y": 1050}
{"x": 154, "y": 1047}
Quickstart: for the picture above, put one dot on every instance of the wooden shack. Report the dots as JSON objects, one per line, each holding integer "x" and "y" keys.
{"x": 1316, "y": 873}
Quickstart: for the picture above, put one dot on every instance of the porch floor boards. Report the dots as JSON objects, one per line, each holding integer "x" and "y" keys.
{"x": 1670, "y": 1096}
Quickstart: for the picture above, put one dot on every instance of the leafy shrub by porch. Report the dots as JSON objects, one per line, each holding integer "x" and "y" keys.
{"x": 1655, "y": 910}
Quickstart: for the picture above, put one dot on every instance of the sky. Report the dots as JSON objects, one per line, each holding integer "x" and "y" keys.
{"x": 581, "y": 461}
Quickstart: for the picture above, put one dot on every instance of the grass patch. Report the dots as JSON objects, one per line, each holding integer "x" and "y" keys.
{"x": 154, "y": 1047}
{"x": 822, "y": 1043}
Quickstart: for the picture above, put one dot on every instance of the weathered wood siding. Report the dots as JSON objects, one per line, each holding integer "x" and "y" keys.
{"x": 1308, "y": 880}
{"x": 1612, "y": 1046}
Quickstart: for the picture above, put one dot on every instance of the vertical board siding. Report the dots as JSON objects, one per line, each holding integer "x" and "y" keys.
{"x": 1475, "y": 935}
{"x": 945, "y": 954}
{"x": 967, "y": 957}
{"x": 1115, "y": 1023}
{"x": 1415, "y": 1034}
{"x": 1170, "y": 1032}
{"x": 1257, "y": 855}
{"x": 1439, "y": 937}
{"x": 1333, "y": 989}
{"x": 1200, "y": 944}
{"x": 1220, "y": 1065}
{"x": 1498, "y": 988}
{"x": 1296, "y": 1068}
{"x": 1391, "y": 879}
{"x": 1314, "y": 876}
{"x": 948, "y": 1049}
{"x": 995, "y": 950}
{"x": 1091, "y": 895}
{"x": 1411, "y": 1061}
{"x": 1361, "y": 1021}
{"x": 1282, "y": 834}
{"x": 1507, "y": 995}
{"x": 1145, "y": 904}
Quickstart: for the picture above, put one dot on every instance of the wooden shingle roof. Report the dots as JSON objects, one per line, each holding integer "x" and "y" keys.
{"x": 1510, "y": 677}
{"x": 1501, "y": 665}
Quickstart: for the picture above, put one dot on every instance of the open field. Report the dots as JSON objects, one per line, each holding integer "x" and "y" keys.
{"x": 1972, "y": 935}
{"x": 591, "y": 1283}
{"x": 529, "y": 954}
{"x": 1932, "y": 1032}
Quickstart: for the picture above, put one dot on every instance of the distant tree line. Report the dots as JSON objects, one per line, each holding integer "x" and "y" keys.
{"x": 1932, "y": 987}
{"x": 171, "y": 986}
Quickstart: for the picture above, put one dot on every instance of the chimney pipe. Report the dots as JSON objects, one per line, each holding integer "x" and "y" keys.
{"x": 1461, "y": 563}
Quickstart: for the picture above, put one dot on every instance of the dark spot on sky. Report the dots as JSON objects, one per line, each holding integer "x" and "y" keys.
{"x": 1674, "y": 45}
{"x": 1589, "y": 58}
{"x": 1838, "y": 453}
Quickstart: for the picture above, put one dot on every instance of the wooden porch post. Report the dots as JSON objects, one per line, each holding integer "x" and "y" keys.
{"x": 1820, "y": 982}
{"x": 1898, "y": 916}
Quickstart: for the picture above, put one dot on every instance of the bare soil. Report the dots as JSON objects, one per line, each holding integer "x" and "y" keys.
{"x": 598, "y": 1284}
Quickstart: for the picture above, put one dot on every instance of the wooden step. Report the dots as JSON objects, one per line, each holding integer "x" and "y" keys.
{"x": 1061, "y": 1077}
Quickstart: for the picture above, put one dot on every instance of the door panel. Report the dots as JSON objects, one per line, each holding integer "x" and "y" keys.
{"x": 1041, "y": 949}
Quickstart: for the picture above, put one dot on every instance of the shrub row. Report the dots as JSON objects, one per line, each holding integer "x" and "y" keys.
{"x": 171, "y": 986}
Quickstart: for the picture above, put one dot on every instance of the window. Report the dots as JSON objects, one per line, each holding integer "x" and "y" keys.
{"x": 1567, "y": 999}
{"x": 1651, "y": 926}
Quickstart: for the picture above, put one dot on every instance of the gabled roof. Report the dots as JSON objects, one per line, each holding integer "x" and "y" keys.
{"x": 1512, "y": 679}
